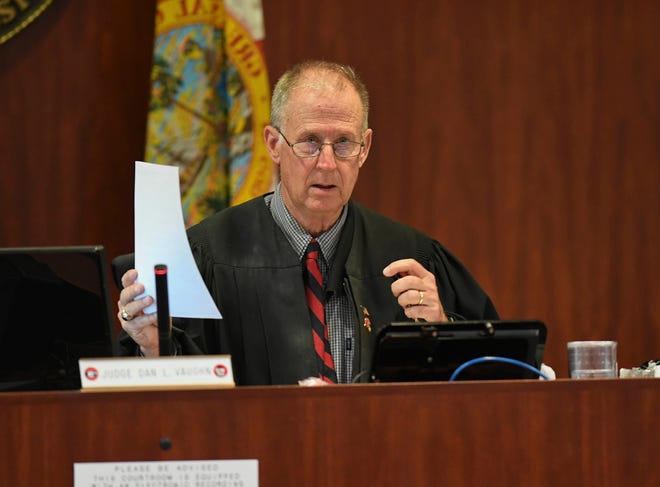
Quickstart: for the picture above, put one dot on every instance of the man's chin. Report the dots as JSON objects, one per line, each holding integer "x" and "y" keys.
{"x": 329, "y": 205}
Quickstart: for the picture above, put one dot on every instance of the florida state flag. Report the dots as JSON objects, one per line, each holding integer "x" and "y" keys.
{"x": 210, "y": 99}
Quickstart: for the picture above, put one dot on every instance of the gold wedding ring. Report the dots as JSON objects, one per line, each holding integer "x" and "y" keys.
{"x": 421, "y": 298}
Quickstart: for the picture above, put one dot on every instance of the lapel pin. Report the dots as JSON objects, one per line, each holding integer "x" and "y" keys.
{"x": 367, "y": 318}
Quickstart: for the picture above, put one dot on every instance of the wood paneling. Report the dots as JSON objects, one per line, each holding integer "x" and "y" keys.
{"x": 522, "y": 134}
{"x": 75, "y": 86}
{"x": 498, "y": 434}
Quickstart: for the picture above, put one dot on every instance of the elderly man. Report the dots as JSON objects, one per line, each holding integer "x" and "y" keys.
{"x": 305, "y": 277}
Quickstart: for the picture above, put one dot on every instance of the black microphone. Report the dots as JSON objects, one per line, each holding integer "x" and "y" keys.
{"x": 163, "y": 311}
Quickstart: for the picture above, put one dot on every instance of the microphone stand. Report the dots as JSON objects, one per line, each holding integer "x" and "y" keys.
{"x": 163, "y": 311}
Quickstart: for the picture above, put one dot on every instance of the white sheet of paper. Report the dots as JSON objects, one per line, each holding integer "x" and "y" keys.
{"x": 160, "y": 238}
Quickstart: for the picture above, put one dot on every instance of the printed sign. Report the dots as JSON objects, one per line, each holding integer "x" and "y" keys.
{"x": 150, "y": 373}
{"x": 217, "y": 473}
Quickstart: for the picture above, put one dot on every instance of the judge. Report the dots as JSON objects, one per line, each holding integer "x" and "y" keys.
{"x": 305, "y": 277}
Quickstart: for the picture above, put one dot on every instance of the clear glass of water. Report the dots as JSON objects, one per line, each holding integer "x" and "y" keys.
{"x": 592, "y": 359}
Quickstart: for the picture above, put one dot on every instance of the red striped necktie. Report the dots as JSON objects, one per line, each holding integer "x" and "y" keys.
{"x": 315, "y": 294}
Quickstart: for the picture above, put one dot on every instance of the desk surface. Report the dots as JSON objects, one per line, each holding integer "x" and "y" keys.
{"x": 564, "y": 432}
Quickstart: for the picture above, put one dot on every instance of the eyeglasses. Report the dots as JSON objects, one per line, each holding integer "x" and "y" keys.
{"x": 344, "y": 149}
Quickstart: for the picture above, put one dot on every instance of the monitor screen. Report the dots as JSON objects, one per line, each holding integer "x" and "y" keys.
{"x": 411, "y": 352}
{"x": 54, "y": 309}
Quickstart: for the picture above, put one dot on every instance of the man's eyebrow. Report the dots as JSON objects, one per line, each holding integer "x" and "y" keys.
{"x": 346, "y": 135}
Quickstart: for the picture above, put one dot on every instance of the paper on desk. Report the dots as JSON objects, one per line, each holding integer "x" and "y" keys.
{"x": 160, "y": 238}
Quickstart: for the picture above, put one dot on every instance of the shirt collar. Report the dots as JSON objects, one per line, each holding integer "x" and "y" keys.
{"x": 296, "y": 235}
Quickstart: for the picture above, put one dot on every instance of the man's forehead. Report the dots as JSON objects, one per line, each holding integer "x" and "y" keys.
{"x": 322, "y": 112}
{"x": 321, "y": 99}
{"x": 325, "y": 90}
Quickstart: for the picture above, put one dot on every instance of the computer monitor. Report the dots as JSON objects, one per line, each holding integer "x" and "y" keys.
{"x": 412, "y": 352}
{"x": 54, "y": 309}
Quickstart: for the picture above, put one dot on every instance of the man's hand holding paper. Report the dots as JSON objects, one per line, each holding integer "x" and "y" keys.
{"x": 160, "y": 238}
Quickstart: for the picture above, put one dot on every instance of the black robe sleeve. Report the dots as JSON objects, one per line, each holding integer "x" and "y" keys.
{"x": 461, "y": 295}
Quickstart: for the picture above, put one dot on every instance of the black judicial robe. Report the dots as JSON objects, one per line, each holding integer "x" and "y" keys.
{"x": 255, "y": 278}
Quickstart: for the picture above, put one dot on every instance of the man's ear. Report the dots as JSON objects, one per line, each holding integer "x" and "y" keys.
{"x": 368, "y": 134}
{"x": 272, "y": 138}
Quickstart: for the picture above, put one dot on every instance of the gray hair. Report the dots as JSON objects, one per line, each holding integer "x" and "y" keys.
{"x": 290, "y": 79}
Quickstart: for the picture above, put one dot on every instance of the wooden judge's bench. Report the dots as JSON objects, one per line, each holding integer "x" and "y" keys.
{"x": 532, "y": 433}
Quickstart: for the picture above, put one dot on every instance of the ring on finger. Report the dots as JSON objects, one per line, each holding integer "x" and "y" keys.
{"x": 125, "y": 315}
{"x": 421, "y": 298}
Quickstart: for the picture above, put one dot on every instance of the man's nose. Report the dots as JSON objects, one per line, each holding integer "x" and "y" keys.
{"x": 326, "y": 158}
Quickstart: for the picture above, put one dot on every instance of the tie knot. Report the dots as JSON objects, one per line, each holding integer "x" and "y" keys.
{"x": 313, "y": 249}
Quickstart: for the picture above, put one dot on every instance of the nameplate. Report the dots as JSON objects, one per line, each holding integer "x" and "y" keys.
{"x": 188, "y": 371}
{"x": 188, "y": 473}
